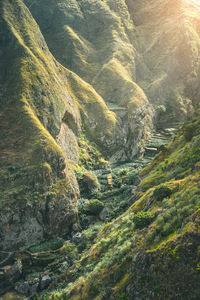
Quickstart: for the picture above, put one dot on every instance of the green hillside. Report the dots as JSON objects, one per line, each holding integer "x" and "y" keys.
{"x": 152, "y": 250}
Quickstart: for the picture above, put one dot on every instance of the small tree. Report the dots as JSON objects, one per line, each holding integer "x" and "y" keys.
{"x": 94, "y": 207}
{"x": 162, "y": 192}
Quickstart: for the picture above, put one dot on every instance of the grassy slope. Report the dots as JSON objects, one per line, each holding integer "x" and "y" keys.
{"x": 40, "y": 105}
{"x": 33, "y": 103}
{"x": 94, "y": 40}
{"x": 151, "y": 251}
{"x": 97, "y": 39}
{"x": 168, "y": 45}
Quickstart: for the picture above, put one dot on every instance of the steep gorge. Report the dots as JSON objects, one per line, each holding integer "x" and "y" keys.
{"x": 125, "y": 48}
{"x": 96, "y": 82}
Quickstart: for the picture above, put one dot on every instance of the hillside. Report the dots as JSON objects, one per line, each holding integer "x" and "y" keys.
{"x": 152, "y": 250}
{"x": 168, "y": 48}
{"x": 96, "y": 39}
{"x": 44, "y": 107}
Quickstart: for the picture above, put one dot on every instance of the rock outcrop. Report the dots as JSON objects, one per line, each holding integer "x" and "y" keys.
{"x": 38, "y": 187}
{"x": 41, "y": 107}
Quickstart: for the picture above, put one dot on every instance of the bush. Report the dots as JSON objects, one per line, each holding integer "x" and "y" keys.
{"x": 132, "y": 178}
{"x": 150, "y": 237}
{"x": 94, "y": 207}
{"x": 88, "y": 183}
{"x": 166, "y": 203}
{"x": 52, "y": 244}
{"x": 69, "y": 250}
{"x": 143, "y": 219}
{"x": 167, "y": 229}
{"x": 122, "y": 172}
{"x": 160, "y": 220}
{"x": 162, "y": 192}
{"x": 189, "y": 130}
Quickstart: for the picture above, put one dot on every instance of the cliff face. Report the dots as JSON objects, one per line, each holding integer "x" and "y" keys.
{"x": 38, "y": 187}
{"x": 95, "y": 39}
{"x": 128, "y": 48}
{"x": 41, "y": 107}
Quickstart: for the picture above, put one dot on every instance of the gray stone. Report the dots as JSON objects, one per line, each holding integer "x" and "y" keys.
{"x": 45, "y": 281}
{"x": 13, "y": 273}
{"x": 149, "y": 202}
{"x": 103, "y": 214}
{"x": 77, "y": 237}
{"x": 76, "y": 227}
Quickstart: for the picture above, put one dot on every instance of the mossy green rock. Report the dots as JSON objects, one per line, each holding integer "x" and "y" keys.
{"x": 38, "y": 188}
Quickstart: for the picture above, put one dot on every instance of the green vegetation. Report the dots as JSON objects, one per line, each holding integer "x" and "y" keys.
{"x": 162, "y": 192}
{"x": 143, "y": 219}
{"x": 159, "y": 228}
{"x": 94, "y": 207}
{"x": 52, "y": 244}
{"x": 33, "y": 165}
{"x": 89, "y": 157}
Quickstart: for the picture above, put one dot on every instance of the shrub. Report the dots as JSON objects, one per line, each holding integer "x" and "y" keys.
{"x": 52, "y": 244}
{"x": 162, "y": 192}
{"x": 122, "y": 172}
{"x": 132, "y": 178}
{"x": 142, "y": 219}
{"x": 160, "y": 220}
{"x": 94, "y": 207}
{"x": 166, "y": 203}
{"x": 167, "y": 229}
{"x": 189, "y": 130}
{"x": 88, "y": 183}
{"x": 69, "y": 250}
{"x": 150, "y": 237}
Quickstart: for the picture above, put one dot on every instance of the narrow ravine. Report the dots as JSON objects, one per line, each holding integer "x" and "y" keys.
{"x": 32, "y": 271}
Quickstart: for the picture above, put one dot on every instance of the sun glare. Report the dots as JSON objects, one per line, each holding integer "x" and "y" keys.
{"x": 193, "y": 1}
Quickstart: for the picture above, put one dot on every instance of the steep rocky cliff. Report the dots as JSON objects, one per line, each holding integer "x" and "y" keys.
{"x": 95, "y": 39}
{"x": 44, "y": 107}
{"x": 124, "y": 48}
{"x": 38, "y": 187}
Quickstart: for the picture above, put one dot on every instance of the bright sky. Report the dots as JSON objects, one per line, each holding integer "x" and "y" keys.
{"x": 194, "y": 1}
